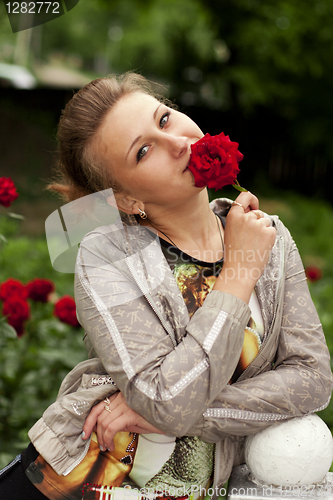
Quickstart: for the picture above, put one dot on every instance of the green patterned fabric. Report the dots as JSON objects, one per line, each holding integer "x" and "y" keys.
{"x": 191, "y": 464}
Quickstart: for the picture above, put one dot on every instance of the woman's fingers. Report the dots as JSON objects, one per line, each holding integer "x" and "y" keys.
{"x": 114, "y": 419}
{"x": 130, "y": 421}
{"x": 122, "y": 423}
{"x": 108, "y": 418}
{"x": 248, "y": 240}
{"x": 248, "y": 201}
{"x": 122, "y": 418}
{"x": 95, "y": 412}
{"x": 258, "y": 214}
{"x": 91, "y": 420}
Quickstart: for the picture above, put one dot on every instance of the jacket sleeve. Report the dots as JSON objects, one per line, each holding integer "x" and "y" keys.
{"x": 169, "y": 380}
{"x": 57, "y": 434}
{"x": 300, "y": 380}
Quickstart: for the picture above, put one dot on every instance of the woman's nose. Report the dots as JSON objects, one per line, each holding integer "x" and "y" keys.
{"x": 178, "y": 145}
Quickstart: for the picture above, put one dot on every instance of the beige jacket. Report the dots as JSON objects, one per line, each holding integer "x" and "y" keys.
{"x": 175, "y": 371}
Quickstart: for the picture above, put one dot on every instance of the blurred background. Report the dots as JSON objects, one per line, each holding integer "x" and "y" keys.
{"x": 261, "y": 71}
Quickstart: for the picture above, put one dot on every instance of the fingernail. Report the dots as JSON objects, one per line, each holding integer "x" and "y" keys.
{"x": 101, "y": 448}
{"x": 83, "y": 434}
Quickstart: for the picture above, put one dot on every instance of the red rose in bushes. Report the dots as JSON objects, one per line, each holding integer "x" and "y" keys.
{"x": 313, "y": 273}
{"x": 17, "y": 311}
{"x": 39, "y": 289}
{"x": 8, "y": 191}
{"x": 214, "y": 161}
{"x": 65, "y": 310}
{"x": 13, "y": 288}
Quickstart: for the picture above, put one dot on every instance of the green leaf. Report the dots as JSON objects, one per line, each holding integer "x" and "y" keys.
{"x": 239, "y": 188}
{"x": 7, "y": 331}
{"x": 16, "y": 216}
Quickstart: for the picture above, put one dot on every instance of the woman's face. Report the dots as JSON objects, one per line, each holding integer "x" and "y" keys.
{"x": 147, "y": 147}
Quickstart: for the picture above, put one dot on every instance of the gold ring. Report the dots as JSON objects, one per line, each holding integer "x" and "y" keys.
{"x": 236, "y": 203}
{"x": 257, "y": 214}
{"x": 106, "y": 406}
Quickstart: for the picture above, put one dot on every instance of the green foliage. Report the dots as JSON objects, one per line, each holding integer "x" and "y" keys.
{"x": 311, "y": 225}
{"x": 24, "y": 259}
{"x": 33, "y": 366}
{"x": 240, "y": 55}
{"x": 280, "y": 58}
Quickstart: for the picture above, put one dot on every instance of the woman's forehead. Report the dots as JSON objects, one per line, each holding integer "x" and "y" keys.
{"x": 124, "y": 112}
{"x": 128, "y": 115}
{"x": 134, "y": 100}
{"x": 124, "y": 122}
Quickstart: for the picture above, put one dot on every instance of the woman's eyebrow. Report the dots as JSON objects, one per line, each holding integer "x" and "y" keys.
{"x": 133, "y": 144}
{"x": 155, "y": 112}
{"x": 139, "y": 136}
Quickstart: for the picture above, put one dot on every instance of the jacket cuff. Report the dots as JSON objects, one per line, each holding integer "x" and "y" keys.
{"x": 220, "y": 311}
{"x": 49, "y": 446}
{"x": 228, "y": 303}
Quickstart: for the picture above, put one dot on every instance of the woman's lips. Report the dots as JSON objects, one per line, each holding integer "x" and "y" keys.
{"x": 186, "y": 168}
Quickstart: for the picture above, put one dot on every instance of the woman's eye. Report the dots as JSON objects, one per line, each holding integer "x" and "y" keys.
{"x": 141, "y": 153}
{"x": 164, "y": 120}
{"x": 144, "y": 150}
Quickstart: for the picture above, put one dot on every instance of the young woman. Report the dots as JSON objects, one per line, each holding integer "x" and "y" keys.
{"x": 199, "y": 323}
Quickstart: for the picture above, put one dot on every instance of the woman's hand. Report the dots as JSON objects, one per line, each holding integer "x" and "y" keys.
{"x": 106, "y": 424}
{"x": 248, "y": 201}
{"x": 248, "y": 241}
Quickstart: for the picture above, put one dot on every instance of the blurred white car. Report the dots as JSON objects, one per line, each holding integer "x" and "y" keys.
{"x": 16, "y": 76}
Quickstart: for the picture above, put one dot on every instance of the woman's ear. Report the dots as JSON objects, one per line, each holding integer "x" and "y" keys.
{"x": 124, "y": 203}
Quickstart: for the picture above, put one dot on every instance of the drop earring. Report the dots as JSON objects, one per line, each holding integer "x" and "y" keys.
{"x": 143, "y": 214}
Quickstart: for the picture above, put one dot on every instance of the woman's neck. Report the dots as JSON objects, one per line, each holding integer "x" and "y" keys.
{"x": 192, "y": 227}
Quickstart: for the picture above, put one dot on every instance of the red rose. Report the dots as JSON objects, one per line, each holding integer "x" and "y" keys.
{"x": 65, "y": 310}
{"x": 13, "y": 288}
{"x": 313, "y": 273}
{"x": 8, "y": 191}
{"x": 39, "y": 289}
{"x": 214, "y": 161}
{"x": 17, "y": 311}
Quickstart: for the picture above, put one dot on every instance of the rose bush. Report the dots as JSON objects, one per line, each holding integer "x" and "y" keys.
{"x": 313, "y": 273}
{"x": 65, "y": 310}
{"x": 8, "y": 194}
{"x": 17, "y": 311}
{"x": 8, "y": 191}
{"x": 13, "y": 288}
{"x": 39, "y": 289}
{"x": 214, "y": 161}
{"x": 14, "y": 295}
{"x": 33, "y": 365}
